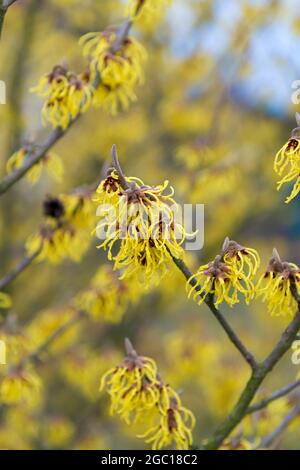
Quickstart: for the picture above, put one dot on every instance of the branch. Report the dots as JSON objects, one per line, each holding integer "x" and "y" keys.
{"x": 31, "y": 159}
{"x": 55, "y": 335}
{"x": 274, "y": 396}
{"x": 11, "y": 276}
{"x": 257, "y": 377}
{"x": 270, "y": 438}
{"x": 3, "y": 10}
{"x": 8, "y": 3}
{"x": 218, "y": 315}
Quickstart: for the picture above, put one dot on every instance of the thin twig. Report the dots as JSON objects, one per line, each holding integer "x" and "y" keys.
{"x": 8, "y": 3}
{"x": 117, "y": 166}
{"x": 282, "y": 392}
{"x": 5, "y": 4}
{"x": 268, "y": 440}
{"x": 35, "y": 355}
{"x": 21, "y": 266}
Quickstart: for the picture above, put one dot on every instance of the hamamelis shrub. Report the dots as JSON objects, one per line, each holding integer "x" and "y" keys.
{"x": 94, "y": 249}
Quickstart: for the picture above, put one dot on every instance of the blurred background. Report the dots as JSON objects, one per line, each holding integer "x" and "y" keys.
{"x": 214, "y": 110}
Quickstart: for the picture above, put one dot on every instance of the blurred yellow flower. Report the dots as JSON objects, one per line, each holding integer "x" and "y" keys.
{"x": 67, "y": 95}
{"x": 145, "y": 8}
{"x": 5, "y": 300}
{"x": 20, "y": 386}
{"x": 50, "y": 161}
{"x": 59, "y": 238}
{"x": 107, "y": 298}
{"x": 58, "y": 431}
{"x": 119, "y": 66}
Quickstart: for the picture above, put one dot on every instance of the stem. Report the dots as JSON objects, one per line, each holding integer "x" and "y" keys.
{"x": 269, "y": 439}
{"x": 9, "y": 277}
{"x": 3, "y": 11}
{"x": 282, "y": 392}
{"x": 117, "y": 166}
{"x": 56, "y": 334}
{"x": 257, "y": 377}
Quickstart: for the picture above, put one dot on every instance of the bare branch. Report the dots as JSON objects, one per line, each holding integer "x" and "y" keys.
{"x": 35, "y": 355}
{"x": 11, "y": 276}
{"x": 258, "y": 375}
{"x": 8, "y": 3}
{"x": 3, "y": 9}
{"x": 268, "y": 440}
{"x": 282, "y": 392}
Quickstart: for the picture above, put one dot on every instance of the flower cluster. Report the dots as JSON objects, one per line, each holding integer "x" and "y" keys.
{"x": 136, "y": 389}
{"x": 66, "y": 231}
{"x": 279, "y": 286}
{"x": 67, "y": 95}
{"x": 119, "y": 66}
{"x": 50, "y": 161}
{"x": 140, "y": 221}
{"x": 287, "y": 166}
{"x": 229, "y": 274}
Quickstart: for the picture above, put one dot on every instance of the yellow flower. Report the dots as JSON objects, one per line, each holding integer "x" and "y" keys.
{"x": 58, "y": 238}
{"x": 5, "y": 300}
{"x": 175, "y": 424}
{"x": 46, "y": 323}
{"x": 58, "y": 431}
{"x": 20, "y": 386}
{"x": 107, "y": 298}
{"x": 145, "y": 8}
{"x": 242, "y": 259}
{"x": 79, "y": 208}
{"x": 50, "y": 161}
{"x": 287, "y": 166}
{"x": 278, "y": 285}
{"x": 81, "y": 368}
{"x": 67, "y": 95}
{"x": 142, "y": 220}
{"x": 224, "y": 277}
{"x": 118, "y": 65}
{"x": 133, "y": 386}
